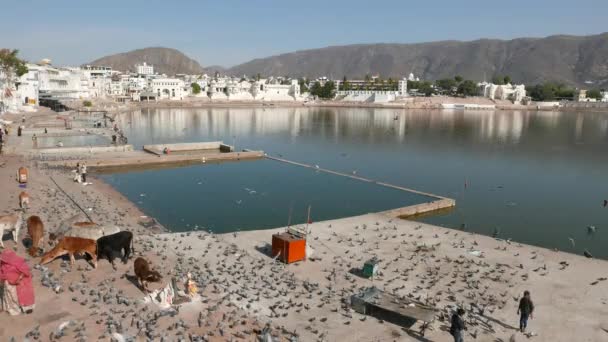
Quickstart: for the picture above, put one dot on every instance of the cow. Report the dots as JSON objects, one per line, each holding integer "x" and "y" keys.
{"x": 10, "y": 222}
{"x": 35, "y": 229}
{"x": 85, "y": 230}
{"x": 121, "y": 241}
{"x": 144, "y": 274}
{"x": 72, "y": 245}
{"x": 24, "y": 200}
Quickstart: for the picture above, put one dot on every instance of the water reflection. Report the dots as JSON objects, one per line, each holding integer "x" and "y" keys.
{"x": 371, "y": 125}
{"x": 539, "y": 176}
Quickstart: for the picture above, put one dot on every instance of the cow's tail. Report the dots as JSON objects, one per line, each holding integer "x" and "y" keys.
{"x": 132, "y": 245}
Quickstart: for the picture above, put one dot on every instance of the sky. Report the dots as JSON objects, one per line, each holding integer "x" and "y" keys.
{"x": 230, "y": 32}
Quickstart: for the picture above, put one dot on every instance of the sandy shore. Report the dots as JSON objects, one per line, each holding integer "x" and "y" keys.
{"x": 242, "y": 289}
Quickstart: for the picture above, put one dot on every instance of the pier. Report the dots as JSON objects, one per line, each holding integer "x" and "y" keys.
{"x": 439, "y": 203}
{"x": 124, "y": 157}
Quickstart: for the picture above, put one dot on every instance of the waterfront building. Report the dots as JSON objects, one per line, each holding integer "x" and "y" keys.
{"x": 371, "y": 91}
{"x": 98, "y": 71}
{"x": 581, "y": 96}
{"x": 515, "y": 93}
{"x": 168, "y": 88}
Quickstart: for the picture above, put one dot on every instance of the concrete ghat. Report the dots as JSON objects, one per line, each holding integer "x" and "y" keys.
{"x": 420, "y": 209}
{"x": 140, "y": 159}
{"x": 82, "y": 150}
{"x": 198, "y": 146}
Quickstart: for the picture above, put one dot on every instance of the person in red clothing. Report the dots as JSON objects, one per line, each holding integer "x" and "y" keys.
{"x": 16, "y": 280}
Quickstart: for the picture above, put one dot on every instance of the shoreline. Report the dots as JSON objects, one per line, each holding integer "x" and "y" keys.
{"x": 433, "y": 104}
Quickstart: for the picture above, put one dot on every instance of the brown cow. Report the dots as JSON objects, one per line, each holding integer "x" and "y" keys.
{"x": 24, "y": 200}
{"x": 144, "y": 274}
{"x": 35, "y": 229}
{"x": 72, "y": 245}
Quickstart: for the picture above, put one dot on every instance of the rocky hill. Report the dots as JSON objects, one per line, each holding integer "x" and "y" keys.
{"x": 573, "y": 60}
{"x": 165, "y": 61}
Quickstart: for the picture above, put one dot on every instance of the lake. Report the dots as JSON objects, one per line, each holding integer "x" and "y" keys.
{"x": 534, "y": 177}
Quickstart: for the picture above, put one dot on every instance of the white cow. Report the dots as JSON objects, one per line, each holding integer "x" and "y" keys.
{"x": 10, "y": 223}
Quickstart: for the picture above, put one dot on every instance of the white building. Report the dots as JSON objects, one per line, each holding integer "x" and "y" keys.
{"x": 511, "y": 92}
{"x": 604, "y": 96}
{"x": 145, "y": 69}
{"x": 375, "y": 96}
{"x": 98, "y": 71}
{"x": 168, "y": 88}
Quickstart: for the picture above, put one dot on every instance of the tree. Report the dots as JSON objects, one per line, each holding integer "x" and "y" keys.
{"x": 87, "y": 103}
{"x": 498, "y": 80}
{"x": 550, "y": 91}
{"x": 467, "y": 88}
{"x": 196, "y": 89}
{"x": 507, "y": 79}
{"x": 446, "y": 85}
{"x": 316, "y": 89}
{"x": 329, "y": 90}
{"x": 594, "y": 94}
{"x": 326, "y": 91}
{"x": 458, "y": 78}
{"x": 424, "y": 87}
{"x": 303, "y": 87}
{"x": 367, "y": 78}
{"x": 345, "y": 84}
{"x": 11, "y": 65}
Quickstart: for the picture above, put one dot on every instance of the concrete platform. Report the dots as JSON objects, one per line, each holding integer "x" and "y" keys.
{"x": 141, "y": 159}
{"x": 189, "y": 147}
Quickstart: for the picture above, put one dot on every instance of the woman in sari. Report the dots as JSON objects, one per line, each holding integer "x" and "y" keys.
{"x": 17, "y": 292}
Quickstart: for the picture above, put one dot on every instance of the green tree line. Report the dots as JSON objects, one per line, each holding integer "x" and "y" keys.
{"x": 326, "y": 91}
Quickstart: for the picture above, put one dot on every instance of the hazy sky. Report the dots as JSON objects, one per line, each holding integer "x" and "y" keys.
{"x": 229, "y": 32}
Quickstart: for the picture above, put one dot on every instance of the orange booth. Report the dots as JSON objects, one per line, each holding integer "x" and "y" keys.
{"x": 289, "y": 247}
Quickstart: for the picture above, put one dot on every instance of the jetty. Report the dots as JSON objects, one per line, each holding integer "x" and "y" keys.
{"x": 436, "y": 203}
{"x": 152, "y": 156}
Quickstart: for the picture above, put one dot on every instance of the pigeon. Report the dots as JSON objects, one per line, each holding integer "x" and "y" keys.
{"x": 572, "y": 242}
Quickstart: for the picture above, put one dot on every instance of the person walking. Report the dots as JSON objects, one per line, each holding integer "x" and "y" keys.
{"x": 525, "y": 310}
{"x": 457, "y": 328}
{"x": 83, "y": 172}
{"x": 35, "y": 141}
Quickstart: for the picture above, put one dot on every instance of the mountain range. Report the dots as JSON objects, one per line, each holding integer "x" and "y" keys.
{"x": 572, "y": 60}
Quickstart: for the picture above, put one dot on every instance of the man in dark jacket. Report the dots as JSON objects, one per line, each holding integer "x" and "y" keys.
{"x": 525, "y": 310}
{"x": 458, "y": 327}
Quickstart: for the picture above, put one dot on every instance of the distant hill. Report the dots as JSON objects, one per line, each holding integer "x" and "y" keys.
{"x": 165, "y": 61}
{"x": 569, "y": 59}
